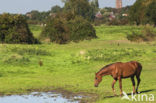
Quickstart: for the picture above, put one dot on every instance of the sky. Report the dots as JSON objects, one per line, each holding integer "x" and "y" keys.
{"x": 24, "y": 6}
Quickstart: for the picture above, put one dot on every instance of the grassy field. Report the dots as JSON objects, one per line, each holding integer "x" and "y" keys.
{"x": 72, "y": 66}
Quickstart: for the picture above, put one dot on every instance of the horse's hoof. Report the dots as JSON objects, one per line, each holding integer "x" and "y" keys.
{"x": 137, "y": 92}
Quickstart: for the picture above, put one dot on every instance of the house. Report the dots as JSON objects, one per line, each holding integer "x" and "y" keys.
{"x": 125, "y": 15}
{"x": 111, "y": 16}
{"x": 29, "y": 15}
{"x": 98, "y": 15}
{"x": 53, "y": 15}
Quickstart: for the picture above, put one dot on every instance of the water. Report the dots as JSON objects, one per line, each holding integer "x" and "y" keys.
{"x": 39, "y": 97}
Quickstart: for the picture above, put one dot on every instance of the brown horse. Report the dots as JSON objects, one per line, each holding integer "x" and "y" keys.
{"x": 118, "y": 71}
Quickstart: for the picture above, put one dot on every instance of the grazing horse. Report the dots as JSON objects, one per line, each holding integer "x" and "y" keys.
{"x": 118, "y": 71}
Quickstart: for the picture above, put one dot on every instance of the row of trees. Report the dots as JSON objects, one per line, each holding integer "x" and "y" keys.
{"x": 73, "y": 22}
{"x": 142, "y": 12}
{"x": 36, "y": 17}
{"x": 85, "y": 8}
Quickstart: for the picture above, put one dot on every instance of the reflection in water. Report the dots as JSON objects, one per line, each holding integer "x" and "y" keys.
{"x": 38, "y": 97}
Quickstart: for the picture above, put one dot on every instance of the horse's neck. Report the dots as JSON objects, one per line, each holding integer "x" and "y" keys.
{"x": 106, "y": 71}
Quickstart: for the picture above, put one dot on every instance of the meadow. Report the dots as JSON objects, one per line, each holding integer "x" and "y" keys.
{"x": 71, "y": 67}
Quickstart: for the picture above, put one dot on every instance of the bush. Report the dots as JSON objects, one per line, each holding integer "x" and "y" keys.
{"x": 147, "y": 34}
{"x": 122, "y": 21}
{"x": 56, "y": 31}
{"x": 81, "y": 29}
{"x": 14, "y": 29}
{"x": 66, "y": 28}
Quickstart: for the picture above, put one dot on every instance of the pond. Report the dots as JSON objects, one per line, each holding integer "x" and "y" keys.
{"x": 39, "y": 97}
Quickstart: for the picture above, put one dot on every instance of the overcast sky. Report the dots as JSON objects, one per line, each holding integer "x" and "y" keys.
{"x": 23, "y": 6}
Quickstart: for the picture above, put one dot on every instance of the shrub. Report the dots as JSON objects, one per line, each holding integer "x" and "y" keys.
{"x": 14, "y": 29}
{"x": 65, "y": 28}
{"x": 56, "y": 30}
{"x": 147, "y": 34}
{"x": 81, "y": 29}
{"x": 122, "y": 21}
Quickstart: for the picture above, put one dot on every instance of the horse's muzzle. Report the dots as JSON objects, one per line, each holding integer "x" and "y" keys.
{"x": 95, "y": 85}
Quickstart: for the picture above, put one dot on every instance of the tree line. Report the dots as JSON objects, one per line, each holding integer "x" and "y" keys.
{"x": 74, "y": 21}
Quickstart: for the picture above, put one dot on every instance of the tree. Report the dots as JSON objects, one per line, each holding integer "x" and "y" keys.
{"x": 143, "y": 12}
{"x": 137, "y": 12}
{"x": 56, "y": 9}
{"x": 95, "y": 4}
{"x": 36, "y": 17}
{"x": 151, "y": 12}
{"x": 80, "y": 8}
{"x": 35, "y": 14}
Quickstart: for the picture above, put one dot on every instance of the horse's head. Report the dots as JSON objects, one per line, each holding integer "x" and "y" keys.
{"x": 98, "y": 79}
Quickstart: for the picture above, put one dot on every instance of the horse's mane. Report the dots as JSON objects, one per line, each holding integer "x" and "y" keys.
{"x": 105, "y": 67}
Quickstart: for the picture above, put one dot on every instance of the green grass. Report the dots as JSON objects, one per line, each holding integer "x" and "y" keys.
{"x": 72, "y": 66}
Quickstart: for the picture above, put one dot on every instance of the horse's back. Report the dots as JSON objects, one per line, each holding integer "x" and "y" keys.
{"x": 128, "y": 69}
{"x": 138, "y": 65}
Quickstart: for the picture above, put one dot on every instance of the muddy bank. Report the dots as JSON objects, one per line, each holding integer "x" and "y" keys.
{"x": 85, "y": 97}
{"x": 57, "y": 95}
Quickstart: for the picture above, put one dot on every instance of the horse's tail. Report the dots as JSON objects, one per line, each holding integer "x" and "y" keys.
{"x": 139, "y": 69}
{"x": 139, "y": 66}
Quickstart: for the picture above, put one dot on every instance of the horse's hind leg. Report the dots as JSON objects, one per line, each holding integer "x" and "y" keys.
{"x": 138, "y": 76}
{"x": 138, "y": 82}
{"x": 133, "y": 82}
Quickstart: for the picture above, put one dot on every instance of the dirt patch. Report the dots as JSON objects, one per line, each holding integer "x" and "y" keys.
{"x": 85, "y": 97}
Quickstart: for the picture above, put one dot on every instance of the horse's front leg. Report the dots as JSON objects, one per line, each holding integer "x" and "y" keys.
{"x": 120, "y": 84}
{"x": 114, "y": 81}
